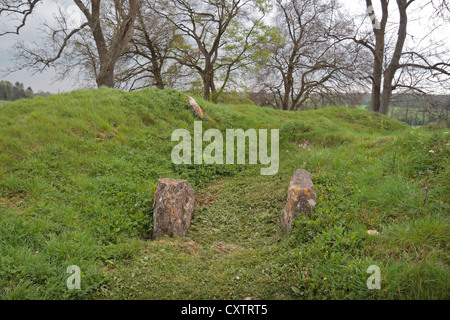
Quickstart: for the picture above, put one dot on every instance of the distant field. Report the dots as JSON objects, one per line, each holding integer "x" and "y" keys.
{"x": 412, "y": 116}
{"x": 78, "y": 173}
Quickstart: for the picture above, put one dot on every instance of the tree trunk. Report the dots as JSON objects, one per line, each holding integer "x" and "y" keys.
{"x": 158, "y": 80}
{"x": 206, "y": 87}
{"x": 378, "y": 53}
{"x": 289, "y": 86}
{"x": 376, "y": 81}
{"x": 108, "y": 55}
{"x": 106, "y": 78}
{"x": 157, "y": 75}
{"x": 286, "y": 97}
{"x": 377, "y": 69}
{"x": 395, "y": 62}
{"x": 106, "y": 75}
{"x": 209, "y": 87}
{"x": 157, "y": 61}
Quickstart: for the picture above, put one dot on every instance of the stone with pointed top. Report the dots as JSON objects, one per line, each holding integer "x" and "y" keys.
{"x": 196, "y": 108}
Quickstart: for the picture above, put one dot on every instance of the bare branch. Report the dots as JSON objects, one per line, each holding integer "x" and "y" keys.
{"x": 21, "y": 8}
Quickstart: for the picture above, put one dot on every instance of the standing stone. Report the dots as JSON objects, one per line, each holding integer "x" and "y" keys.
{"x": 197, "y": 109}
{"x": 301, "y": 199}
{"x": 173, "y": 208}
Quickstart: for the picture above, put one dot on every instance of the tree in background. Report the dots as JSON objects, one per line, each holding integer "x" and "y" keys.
{"x": 393, "y": 66}
{"x": 110, "y": 24}
{"x": 217, "y": 37}
{"x": 10, "y": 92}
{"x": 308, "y": 60}
{"x": 147, "y": 62}
{"x": 310, "y": 54}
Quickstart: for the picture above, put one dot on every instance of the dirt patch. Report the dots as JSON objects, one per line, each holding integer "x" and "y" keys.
{"x": 209, "y": 196}
{"x": 192, "y": 247}
{"x": 14, "y": 203}
{"x": 224, "y": 247}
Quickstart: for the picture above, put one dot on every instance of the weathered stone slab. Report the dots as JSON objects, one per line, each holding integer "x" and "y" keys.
{"x": 301, "y": 199}
{"x": 173, "y": 208}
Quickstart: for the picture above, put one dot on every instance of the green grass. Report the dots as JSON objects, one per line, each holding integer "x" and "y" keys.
{"x": 77, "y": 177}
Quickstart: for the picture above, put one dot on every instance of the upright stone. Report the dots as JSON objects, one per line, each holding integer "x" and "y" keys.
{"x": 197, "y": 109}
{"x": 173, "y": 208}
{"x": 301, "y": 199}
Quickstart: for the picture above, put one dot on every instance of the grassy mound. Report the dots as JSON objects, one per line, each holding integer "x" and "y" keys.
{"x": 77, "y": 177}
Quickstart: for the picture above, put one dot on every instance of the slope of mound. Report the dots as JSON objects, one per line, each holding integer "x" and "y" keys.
{"x": 78, "y": 172}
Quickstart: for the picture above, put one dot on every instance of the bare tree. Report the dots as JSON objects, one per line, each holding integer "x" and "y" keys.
{"x": 18, "y": 9}
{"x": 108, "y": 45}
{"x": 217, "y": 36}
{"x": 441, "y": 8}
{"x": 391, "y": 68}
{"x": 146, "y": 62}
{"x": 308, "y": 60}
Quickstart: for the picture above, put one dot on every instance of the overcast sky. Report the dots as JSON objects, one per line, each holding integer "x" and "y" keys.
{"x": 31, "y": 32}
{"x": 419, "y": 25}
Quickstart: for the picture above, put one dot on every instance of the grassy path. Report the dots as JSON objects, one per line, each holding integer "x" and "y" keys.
{"x": 232, "y": 251}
